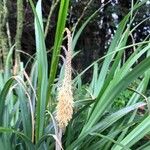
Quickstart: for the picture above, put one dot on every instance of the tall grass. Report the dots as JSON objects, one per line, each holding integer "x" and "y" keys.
{"x": 28, "y": 102}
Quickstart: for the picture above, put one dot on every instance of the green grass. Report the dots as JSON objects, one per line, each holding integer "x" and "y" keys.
{"x": 28, "y": 101}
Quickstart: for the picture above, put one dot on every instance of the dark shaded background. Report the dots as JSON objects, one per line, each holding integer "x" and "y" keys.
{"x": 97, "y": 35}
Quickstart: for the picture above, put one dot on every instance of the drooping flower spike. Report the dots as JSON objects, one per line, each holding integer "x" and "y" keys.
{"x": 64, "y": 109}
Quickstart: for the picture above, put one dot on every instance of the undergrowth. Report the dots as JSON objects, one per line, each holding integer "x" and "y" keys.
{"x": 105, "y": 113}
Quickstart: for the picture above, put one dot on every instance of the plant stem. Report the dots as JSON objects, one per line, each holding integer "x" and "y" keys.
{"x": 19, "y": 30}
{"x": 58, "y": 145}
{"x": 54, "y": 4}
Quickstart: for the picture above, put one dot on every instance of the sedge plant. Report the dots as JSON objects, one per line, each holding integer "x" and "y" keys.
{"x": 41, "y": 111}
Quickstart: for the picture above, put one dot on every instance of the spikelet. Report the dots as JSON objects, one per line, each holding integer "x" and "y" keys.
{"x": 64, "y": 109}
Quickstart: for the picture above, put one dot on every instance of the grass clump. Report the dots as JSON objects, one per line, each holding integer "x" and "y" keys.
{"x": 36, "y": 113}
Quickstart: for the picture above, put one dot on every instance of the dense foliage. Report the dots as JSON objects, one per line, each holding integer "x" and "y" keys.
{"x": 50, "y": 106}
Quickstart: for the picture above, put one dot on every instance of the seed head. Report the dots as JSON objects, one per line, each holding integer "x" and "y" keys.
{"x": 64, "y": 109}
